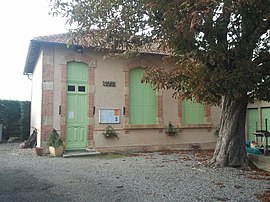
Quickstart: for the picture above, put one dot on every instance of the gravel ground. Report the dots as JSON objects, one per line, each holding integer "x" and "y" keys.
{"x": 155, "y": 177}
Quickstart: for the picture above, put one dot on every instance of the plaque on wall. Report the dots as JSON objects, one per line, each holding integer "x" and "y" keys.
{"x": 109, "y": 115}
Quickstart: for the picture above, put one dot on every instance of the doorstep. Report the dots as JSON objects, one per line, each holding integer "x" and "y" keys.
{"x": 80, "y": 153}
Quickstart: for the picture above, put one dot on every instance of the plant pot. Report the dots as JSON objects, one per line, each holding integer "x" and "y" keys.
{"x": 38, "y": 151}
{"x": 56, "y": 151}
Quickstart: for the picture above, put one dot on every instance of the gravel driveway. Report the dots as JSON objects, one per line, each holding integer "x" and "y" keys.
{"x": 143, "y": 177}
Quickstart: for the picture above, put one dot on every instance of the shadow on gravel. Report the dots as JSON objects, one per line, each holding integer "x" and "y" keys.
{"x": 19, "y": 185}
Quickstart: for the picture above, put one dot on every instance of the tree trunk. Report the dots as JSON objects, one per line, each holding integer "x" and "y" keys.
{"x": 230, "y": 148}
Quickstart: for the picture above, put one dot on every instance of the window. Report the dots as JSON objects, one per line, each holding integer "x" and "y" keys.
{"x": 81, "y": 88}
{"x": 192, "y": 112}
{"x": 142, "y": 99}
{"x": 71, "y": 88}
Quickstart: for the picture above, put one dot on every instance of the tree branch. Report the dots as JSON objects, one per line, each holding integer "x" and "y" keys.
{"x": 260, "y": 30}
{"x": 263, "y": 57}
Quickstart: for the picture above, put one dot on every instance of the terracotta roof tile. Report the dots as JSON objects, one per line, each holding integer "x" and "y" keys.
{"x": 36, "y": 43}
{"x": 63, "y": 38}
{"x": 56, "y": 38}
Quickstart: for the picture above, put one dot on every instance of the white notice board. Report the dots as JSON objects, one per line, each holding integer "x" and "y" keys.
{"x": 109, "y": 115}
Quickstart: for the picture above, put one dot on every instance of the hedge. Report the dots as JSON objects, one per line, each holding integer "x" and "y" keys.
{"x": 15, "y": 117}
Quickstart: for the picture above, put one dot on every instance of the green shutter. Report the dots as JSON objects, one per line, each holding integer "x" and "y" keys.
{"x": 192, "y": 112}
{"x": 266, "y": 117}
{"x": 252, "y": 123}
{"x": 142, "y": 103}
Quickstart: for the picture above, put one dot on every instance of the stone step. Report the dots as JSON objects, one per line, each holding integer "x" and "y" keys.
{"x": 80, "y": 153}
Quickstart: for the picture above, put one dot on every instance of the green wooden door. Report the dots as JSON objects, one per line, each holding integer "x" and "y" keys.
{"x": 142, "y": 103}
{"x": 252, "y": 123}
{"x": 77, "y": 106}
{"x": 266, "y": 117}
{"x": 192, "y": 112}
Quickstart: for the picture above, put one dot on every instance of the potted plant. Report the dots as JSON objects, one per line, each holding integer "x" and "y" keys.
{"x": 55, "y": 144}
{"x": 171, "y": 130}
{"x": 110, "y": 132}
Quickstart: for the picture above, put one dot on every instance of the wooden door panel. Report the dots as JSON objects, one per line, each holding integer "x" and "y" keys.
{"x": 77, "y": 106}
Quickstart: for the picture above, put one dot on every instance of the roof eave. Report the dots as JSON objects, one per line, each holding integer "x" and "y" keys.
{"x": 36, "y": 45}
{"x": 33, "y": 54}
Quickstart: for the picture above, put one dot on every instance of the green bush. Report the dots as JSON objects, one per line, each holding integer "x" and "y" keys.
{"x": 15, "y": 117}
{"x": 25, "y": 120}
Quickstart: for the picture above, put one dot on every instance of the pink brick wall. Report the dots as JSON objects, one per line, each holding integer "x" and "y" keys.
{"x": 47, "y": 93}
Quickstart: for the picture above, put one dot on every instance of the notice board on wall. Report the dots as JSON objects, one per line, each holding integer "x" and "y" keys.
{"x": 109, "y": 116}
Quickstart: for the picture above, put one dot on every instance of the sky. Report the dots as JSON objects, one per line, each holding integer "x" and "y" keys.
{"x": 21, "y": 21}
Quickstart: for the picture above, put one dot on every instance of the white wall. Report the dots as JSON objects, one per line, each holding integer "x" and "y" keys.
{"x": 36, "y": 98}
